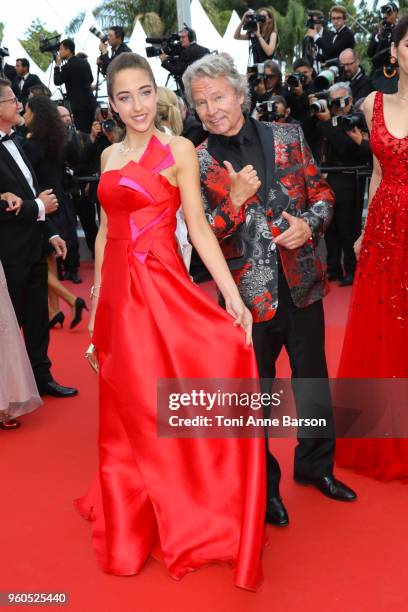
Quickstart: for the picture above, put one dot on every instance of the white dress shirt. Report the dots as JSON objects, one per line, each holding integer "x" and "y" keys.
{"x": 16, "y": 155}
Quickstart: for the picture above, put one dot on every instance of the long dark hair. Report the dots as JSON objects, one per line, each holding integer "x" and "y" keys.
{"x": 47, "y": 125}
{"x": 400, "y": 30}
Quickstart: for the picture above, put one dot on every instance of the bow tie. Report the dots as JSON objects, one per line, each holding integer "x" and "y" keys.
{"x": 7, "y": 137}
{"x": 236, "y": 141}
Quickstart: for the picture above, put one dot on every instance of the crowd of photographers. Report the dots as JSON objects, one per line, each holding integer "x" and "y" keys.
{"x": 323, "y": 93}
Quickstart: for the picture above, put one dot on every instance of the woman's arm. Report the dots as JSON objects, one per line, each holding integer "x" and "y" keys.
{"x": 376, "y": 176}
{"x": 201, "y": 235}
{"x": 237, "y": 34}
{"x": 268, "y": 46}
{"x": 99, "y": 251}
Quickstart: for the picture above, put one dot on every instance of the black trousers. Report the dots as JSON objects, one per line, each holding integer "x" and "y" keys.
{"x": 342, "y": 232}
{"x": 301, "y": 332}
{"x": 83, "y": 119}
{"x": 28, "y": 289}
{"x": 86, "y": 211}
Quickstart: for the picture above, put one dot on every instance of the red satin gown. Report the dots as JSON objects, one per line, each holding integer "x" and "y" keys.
{"x": 376, "y": 340}
{"x": 196, "y": 501}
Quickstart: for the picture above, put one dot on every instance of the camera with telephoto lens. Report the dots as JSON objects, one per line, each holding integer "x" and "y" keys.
{"x": 313, "y": 21}
{"x": 268, "y": 111}
{"x": 50, "y": 45}
{"x": 102, "y": 37}
{"x": 327, "y": 77}
{"x": 4, "y": 52}
{"x": 255, "y": 74}
{"x": 322, "y": 103}
{"x": 252, "y": 20}
{"x": 296, "y": 79}
{"x": 348, "y": 122}
{"x": 169, "y": 45}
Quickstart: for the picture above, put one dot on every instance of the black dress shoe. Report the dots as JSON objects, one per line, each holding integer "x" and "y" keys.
{"x": 59, "y": 318}
{"x": 346, "y": 280}
{"x": 56, "y": 390}
{"x": 73, "y": 277}
{"x": 79, "y": 306}
{"x": 329, "y": 486}
{"x": 10, "y": 424}
{"x": 332, "y": 276}
{"x": 276, "y": 513}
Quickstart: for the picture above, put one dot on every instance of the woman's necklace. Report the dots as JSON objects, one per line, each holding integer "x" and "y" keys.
{"x": 125, "y": 149}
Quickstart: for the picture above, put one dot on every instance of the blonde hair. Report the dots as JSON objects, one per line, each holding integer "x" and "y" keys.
{"x": 168, "y": 112}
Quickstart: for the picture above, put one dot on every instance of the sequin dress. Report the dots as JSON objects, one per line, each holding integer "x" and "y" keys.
{"x": 376, "y": 339}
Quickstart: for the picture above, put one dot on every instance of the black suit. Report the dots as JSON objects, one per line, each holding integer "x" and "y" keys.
{"x": 23, "y": 243}
{"x": 30, "y": 81}
{"x": 333, "y": 43}
{"x": 77, "y": 76}
{"x": 361, "y": 85}
{"x": 106, "y": 60}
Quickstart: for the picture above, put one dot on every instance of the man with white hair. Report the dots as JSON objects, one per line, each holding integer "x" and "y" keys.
{"x": 269, "y": 205}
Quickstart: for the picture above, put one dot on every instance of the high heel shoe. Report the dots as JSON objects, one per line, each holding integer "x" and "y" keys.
{"x": 78, "y": 308}
{"x": 59, "y": 318}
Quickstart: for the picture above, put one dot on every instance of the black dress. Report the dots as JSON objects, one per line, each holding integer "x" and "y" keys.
{"x": 49, "y": 171}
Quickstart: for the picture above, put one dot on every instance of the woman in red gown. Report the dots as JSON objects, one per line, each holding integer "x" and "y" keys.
{"x": 189, "y": 501}
{"x": 376, "y": 339}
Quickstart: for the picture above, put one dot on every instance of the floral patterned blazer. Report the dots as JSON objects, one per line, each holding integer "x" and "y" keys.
{"x": 293, "y": 184}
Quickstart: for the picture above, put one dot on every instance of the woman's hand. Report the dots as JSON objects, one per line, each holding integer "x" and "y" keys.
{"x": 91, "y": 356}
{"x": 357, "y": 245}
{"x": 236, "y": 307}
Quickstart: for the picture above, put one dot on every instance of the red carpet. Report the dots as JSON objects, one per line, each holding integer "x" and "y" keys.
{"x": 333, "y": 556}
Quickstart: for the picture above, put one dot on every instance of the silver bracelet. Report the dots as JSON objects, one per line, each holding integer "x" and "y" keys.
{"x": 94, "y": 291}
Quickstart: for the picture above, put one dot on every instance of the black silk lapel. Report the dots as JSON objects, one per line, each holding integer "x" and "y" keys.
{"x": 266, "y": 138}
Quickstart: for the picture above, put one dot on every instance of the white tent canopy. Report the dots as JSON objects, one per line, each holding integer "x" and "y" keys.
{"x": 207, "y": 35}
{"x": 238, "y": 49}
{"x": 86, "y": 42}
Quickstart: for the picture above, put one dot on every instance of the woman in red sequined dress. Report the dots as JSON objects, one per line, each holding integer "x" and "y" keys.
{"x": 189, "y": 502}
{"x": 376, "y": 339}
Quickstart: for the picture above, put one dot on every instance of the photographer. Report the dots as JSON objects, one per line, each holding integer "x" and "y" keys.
{"x": 333, "y": 43}
{"x": 115, "y": 38}
{"x": 315, "y": 30}
{"x": 300, "y": 86}
{"x": 261, "y": 31}
{"x": 188, "y": 53}
{"x": 379, "y": 50}
{"x": 276, "y": 109}
{"x": 346, "y": 143}
{"x": 265, "y": 81}
{"x": 353, "y": 72}
{"x": 77, "y": 76}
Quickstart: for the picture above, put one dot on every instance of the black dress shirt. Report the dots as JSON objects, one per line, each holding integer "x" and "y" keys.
{"x": 240, "y": 150}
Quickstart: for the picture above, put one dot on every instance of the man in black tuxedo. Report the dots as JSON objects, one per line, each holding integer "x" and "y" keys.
{"x": 23, "y": 243}
{"x": 24, "y": 80}
{"x": 115, "y": 35}
{"x": 333, "y": 43}
{"x": 77, "y": 76}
